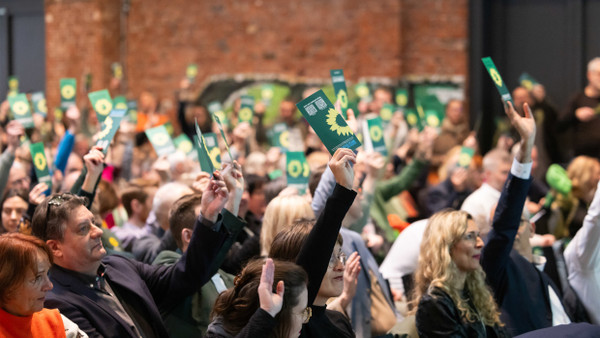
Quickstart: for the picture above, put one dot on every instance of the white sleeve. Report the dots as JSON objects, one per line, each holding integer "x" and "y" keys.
{"x": 71, "y": 329}
{"x": 521, "y": 170}
{"x": 585, "y": 246}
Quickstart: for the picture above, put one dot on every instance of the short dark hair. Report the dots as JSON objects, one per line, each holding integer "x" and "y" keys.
{"x": 18, "y": 252}
{"x": 288, "y": 242}
{"x": 182, "y": 216}
{"x": 254, "y": 182}
{"x": 130, "y": 194}
{"x": 315, "y": 178}
{"x": 49, "y": 220}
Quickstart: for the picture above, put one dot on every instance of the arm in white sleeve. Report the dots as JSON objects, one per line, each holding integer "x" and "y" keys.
{"x": 585, "y": 246}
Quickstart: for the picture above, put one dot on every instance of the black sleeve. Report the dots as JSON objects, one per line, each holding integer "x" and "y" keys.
{"x": 260, "y": 325}
{"x": 186, "y": 127}
{"x": 437, "y": 317}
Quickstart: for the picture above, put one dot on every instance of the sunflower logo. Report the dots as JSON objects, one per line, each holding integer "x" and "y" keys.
{"x": 386, "y": 114}
{"x": 362, "y": 91}
{"x": 67, "y": 92}
{"x": 41, "y": 106}
{"x": 245, "y": 114}
{"x": 305, "y": 170}
{"x": 103, "y": 107}
{"x": 433, "y": 120}
{"x": 121, "y": 105}
{"x": 20, "y": 108}
{"x": 411, "y": 119}
{"x": 40, "y": 161}
{"x": 13, "y": 84}
{"x": 107, "y": 126}
{"x": 376, "y": 133}
{"x": 527, "y": 84}
{"x": 160, "y": 139}
{"x": 215, "y": 157}
{"x": 118, "y": 72}
{"x": 284, "y": 139}
{"x": 185, "y": 146}
{"x": 343, "y": 98}
{"x": 464, "y": 160}
{"x": 401, "y": 99}
{"x": 496, "y": 77}
{"x": 335, "y": 121}
{"x": 294, "y": 168}
{"x": 191, "y": 71}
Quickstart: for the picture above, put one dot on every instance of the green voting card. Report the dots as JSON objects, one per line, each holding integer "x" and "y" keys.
{"x": 246, "y": 109}
{"x": 13, "y": 86}
{"x": 275, "y": 174}
{"x": 495, "y": 75}
{"x": 191, "y": 72}
{"x": 527, "y": 81}
{"x": 132, "y": 111}
{"x": 184, "y": 144}
{"x": 102, "y": 103}
{"x": 68, "y": 89}
{"x": 120, "y": 102}
{"x": 402, "y": 97}
{"x": 432, "y": 118}
{"x": 117, "y": 70}
{"x": 297, "y": 170}
{"x": 280, "y": 136}
{"x": 169, "y": 127}
{"x": 39, "y": 103}
{"x": 465, "y": 156}
{"x": 266, "y": 93}
{"x": 412, "y": 118}
{"x": 362, "y": 90}
{"x": 327, "y": 122}
{"x": 220, "y": 126}
{"x": 110, "y": 125}
{"x": 386, "y": 112}
{"x": 339, "y": 86}
{"x": 212, "y": 146}
{"x": 161, "y": 141}
{"x": 19, "y": 105}
{"x": 206, "y": 163}
{"x": 40, "y": 164}
{"x": 215, "y": 108}
{"x": 374, "y": 139}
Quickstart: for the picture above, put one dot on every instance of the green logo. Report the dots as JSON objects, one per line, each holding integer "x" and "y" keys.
{"x": 41, "y": 106}
{"x": 386, "y": 114}
{"x": 332, "y": 117}
{"x": 245, "y": 114}
{"x": 40, "y": 161}
{"x": 103, "y": 107}
{"x": 376, "y": 133}
{"x": 343, "y": 98}
{"x": 20, "y": 108}
{"x": 464, "y": 160}
{"x": 433, "y": 121}
{"x": 284, "y": 139}
{"x": 67, "y": 92}
{"x": 294, "y": 168}
{"x": 496, "y": 77}
{"x": 401, "y": 99}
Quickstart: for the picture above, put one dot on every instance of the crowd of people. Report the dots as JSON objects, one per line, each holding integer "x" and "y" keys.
{"x": 421, "y": 240}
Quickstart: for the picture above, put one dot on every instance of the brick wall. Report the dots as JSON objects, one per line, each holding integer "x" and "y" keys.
{"x": 384, "y": 38}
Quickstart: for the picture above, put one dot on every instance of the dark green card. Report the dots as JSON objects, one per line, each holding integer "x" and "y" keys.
{"x": 297, "y": 170}
{"x": 206, "y": 163}
{"x": 132, "y": 111}
{"x": 212, "y": 146}
{"x": 161, "y": 141}
{"x": 246, "y": 109}
{"x": 362, "y": 90}
{"x": 412, "y": 118}
{"x": 39, "y": 103}
{"x": 215, "y": 108}
{"x": 169, "y": 127}
{"x": 109, "y": 128}
{"x": 68, "y": 89}
{"x": 402, "y": 97}
{"x": 280, "y": 136}
{"x": 527, "y": 81}
{"x": 19, "y": 105}
{"x": 466, "y": 154}
{"x": 275, "y": 174}
{"x": 328, "y": 123}
{"x": 386, "y": 112}
{"x": 341, "y": 92}
{"x": 13, "y": 86}
{"x": 120, "y": 102}
{"x": 220, "y": 126}
{"x": 117, "y": 70}
{"x": 432, "y": 118}
{"x": 40, "y": 164}
{"x": 374, "y": 138}
{"x": 184, "y": 144}
{"x": 191, "y": 72}
{"x": 102, "y": 103}
{"x": 495, "y": 75}
{"x": 266, "y": 93}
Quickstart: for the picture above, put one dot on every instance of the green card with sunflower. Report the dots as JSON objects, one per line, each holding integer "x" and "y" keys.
{"x": 495, "y": 75}
{"x": 527, "y": 81}
{"x": 39, "y": 103}
{"x": 214, "y": 152}
{"x": 465, "y": 156}
{"x": 386, "y": 112}
{"x": 109, "y": 128}
{"x": 297, "y": 171}
{"x": 327, "y": 122}
{"x": 40, "y": 164}
{"x": 68, "y": 89}
{"x": 13, "y": 86}
{"x": 184, "y": 144}
{"x": 102, "y": 103}
{"x": 246, "y": 109}
{"x": 191, "y": 72}
{"x": 402, "y": 97}
{"x": 374, "y": 137}
{"x": 279, "y": 136}
{"x": 19, "y": 105}
{"x": 161, "y": 141}
{"x": 341, "y": 92}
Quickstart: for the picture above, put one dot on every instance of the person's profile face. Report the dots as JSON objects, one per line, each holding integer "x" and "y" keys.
{"x": 81, "y": 246}
{"x": 29, "y": 297}
{"x": 12, "y": 211}
{"x": 467, "y": 250}
{"x": 299, "y": 314}
{"x": 333, "y": 281}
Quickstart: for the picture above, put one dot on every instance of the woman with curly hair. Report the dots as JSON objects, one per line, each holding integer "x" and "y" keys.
{"x": 452, "y": 296}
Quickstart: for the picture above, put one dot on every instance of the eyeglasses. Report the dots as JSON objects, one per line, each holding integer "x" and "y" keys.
{"x": 306, "y": 314}
{"x": 54, "y": 201}
{"x": 341, "y": 257}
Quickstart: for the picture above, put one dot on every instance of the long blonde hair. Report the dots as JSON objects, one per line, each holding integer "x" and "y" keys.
{"x": 436, "y": 269}
{"x": 279, "y": 214}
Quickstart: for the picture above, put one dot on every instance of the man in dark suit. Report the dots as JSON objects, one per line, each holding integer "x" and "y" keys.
{"x": 112, "y": 296}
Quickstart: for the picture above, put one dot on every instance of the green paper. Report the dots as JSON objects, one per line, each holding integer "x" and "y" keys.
{"x": 297, "y": 171}
{"x": 68, "y": 89}
{"x": 402, "y": 97}
{"x": 275, "y": 174}
{"x": 102, "y": 103}
{"x": 527, "y": 81}
{"x": 465, "y": 156}
{"x": 362, "y": 90}
{"x": 117, "y": 70}
{"x": 495, "y": 75}
{"x": 13, "y": 86}
{"x": 215, "y": 108}
{"x": 374, "y": 138}
{"x": 39, "y": 103}
{"x": 220, "y": 126}
{"x": 432, "y": 118}
{"x": 557, "y": 179}
{"x": 412, "y": 118}
{"x": 212, "y": 146}
{"x": 328, "y": 123}
{"x": 191, "y": 72}
{"x": 120, "y": 102}
{"x": 40, "y": 164}
{"x": 206, "y": 163}
{"x": 246, "y": 109}
{"x": 280, "y": 136}
{"x": 110, "y": 125}
{"x": 169, "y": 128}
{"x": 19, "y": 105}
{"x": 132, "y": 111}
{"x": 387, "y": 112}
{"x": 58, "y": 114}
{"x": 161, "y": 141}
{"x": 184, "y": 144}
{"x": 341, "y": 92}
{"x": 266, "y": 93}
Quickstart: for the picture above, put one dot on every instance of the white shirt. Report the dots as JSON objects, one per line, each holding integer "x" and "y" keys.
{"x": 582, "y": 257}
{"x": 479, "y": 205}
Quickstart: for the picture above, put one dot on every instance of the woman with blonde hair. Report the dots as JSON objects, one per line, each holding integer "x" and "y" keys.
{"x": 281, "y": 212}
{"x": 452, "y": 296}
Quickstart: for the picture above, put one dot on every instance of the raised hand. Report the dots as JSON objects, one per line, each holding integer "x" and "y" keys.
{"x": 459, "y": 179}
{"x": 201, "y": 182}
{"x": 525, "y": 125}
{"x": 36, "y": 195}
{"x": 214, "y": 198}
{"x": 341, "y": 167}
{"x": 350, "y": 278}
{"x": 234, "y": 180}
{"x": 269, "y": 301}
{"x": 14, "y": 130}
{"x": 73, "y": 116}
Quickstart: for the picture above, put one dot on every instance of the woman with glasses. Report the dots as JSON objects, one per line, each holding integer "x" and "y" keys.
{"x": 268, "y": 300}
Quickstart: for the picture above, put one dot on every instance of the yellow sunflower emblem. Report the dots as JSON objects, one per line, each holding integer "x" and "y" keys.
{"x": 20, "y": 108}
{"x": 433, "y": 121}
{"x": 294, "y": 168}
{"x": 41, "y": 106}
{"x": 13, "y": 84}
{"x": 401, "y": 99}
{"x": 334, "y": 123}
{"x": 160, "y": 139}
{"x": 191, "y": 71}
{"x": 411, "y": 119}
{"x": 245, "y": 114}
{"x": 284, "y": 139}
{"x": 40, "y": 161}
{"x": 185, "y": 146}
{"x": 67, "y": 92}
{"x": 215, "y": 157}
{"x": 496, "y": 77}
{"x": 386, "y": 114}
{"x": 103, "y": 107}
{"x": 464, "y": 160}
{"x": 305, "y": 170}
{"x": 107, "y": 126}
{"x": 121, "y": 105}
{"x": 376, "y": 133}
{"x": 362, "y": 91}
{"x": 527, "y": 84}
{"x": 343, "y": 98}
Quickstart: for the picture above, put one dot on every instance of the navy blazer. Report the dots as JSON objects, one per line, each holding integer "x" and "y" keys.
{"x": 152, "y": 290}
{"x": 520, "y": 289}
